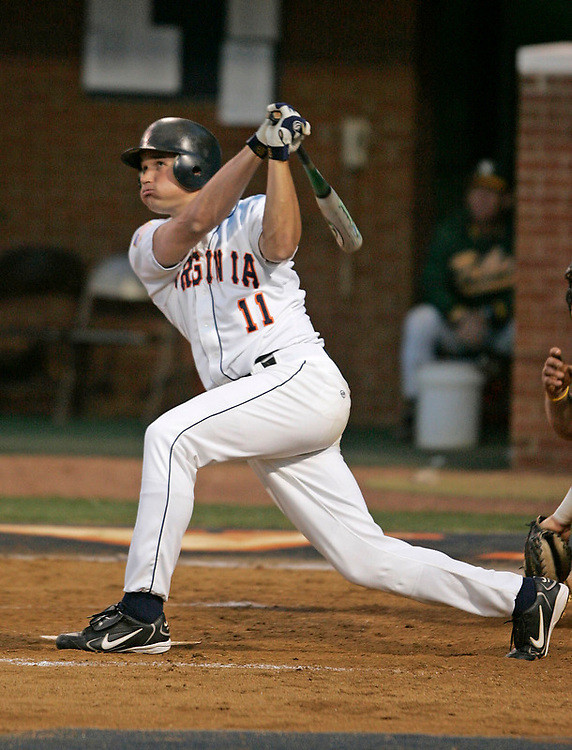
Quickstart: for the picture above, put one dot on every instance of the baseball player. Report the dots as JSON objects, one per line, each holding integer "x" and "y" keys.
{"x": 547, "y": 546}
{"x": 221, "y": 269}
{"x": 558, "y": 407}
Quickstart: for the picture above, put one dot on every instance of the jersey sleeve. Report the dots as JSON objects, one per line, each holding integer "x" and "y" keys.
{"x": 152, "y": 274}
{"x": 254, "y": 213}
{"x": 254, "y": 210}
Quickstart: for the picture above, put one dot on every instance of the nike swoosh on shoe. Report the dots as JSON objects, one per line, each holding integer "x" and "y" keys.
{"x": 107, "y": 645}
{"x": 539, "y": 642}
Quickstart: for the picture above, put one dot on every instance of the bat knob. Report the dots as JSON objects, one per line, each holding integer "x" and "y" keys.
{"x": 274, "y": 116}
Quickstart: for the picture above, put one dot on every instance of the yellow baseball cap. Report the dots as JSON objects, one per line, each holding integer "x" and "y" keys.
{"x": 486, "y": 175}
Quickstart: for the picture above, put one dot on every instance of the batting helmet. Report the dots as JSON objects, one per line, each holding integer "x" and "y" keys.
{"x": 199, "y": 154}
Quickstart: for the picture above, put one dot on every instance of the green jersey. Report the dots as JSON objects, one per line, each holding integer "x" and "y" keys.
{"x": 468, "y": 269}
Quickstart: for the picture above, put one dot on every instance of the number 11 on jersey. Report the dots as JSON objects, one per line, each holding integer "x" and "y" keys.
{"x": 267, "y": 319}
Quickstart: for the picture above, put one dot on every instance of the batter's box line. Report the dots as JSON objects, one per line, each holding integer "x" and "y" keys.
{"x": 142, "y": 662}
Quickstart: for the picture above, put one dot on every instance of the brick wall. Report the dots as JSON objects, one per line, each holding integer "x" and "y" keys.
{"x": 358, "y": 302}
{"x": 544, "y": 246}
{"x": 64, "y": 186}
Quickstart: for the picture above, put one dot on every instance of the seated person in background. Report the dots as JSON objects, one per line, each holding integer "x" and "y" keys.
{"x": 466, "y": 286}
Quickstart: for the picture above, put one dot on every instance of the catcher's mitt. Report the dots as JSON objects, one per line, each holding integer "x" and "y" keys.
{"x": 546, "y": 553}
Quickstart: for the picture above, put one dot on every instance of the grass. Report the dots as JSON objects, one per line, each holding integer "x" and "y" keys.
{"x": 97, "y": 512}
{"x": 67, "y": 511}
{"x": 489, "y": 485}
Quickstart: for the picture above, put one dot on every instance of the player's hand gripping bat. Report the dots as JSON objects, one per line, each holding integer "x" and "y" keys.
{"x": 329, "y": 202}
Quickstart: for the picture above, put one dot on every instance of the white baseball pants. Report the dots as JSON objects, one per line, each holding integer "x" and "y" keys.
{"x": 286, "y": 420}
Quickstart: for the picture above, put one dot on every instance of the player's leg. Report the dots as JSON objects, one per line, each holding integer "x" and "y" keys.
{"x": 502, "y": 341}
{"x": 298, "y": 405}
{"x": 293, "y": 407}
{"x": 424, "y": 331}
{"x": 319, "y": 494}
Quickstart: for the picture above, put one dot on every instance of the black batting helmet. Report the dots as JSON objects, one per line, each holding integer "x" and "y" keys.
{"x": 199, "y": 154}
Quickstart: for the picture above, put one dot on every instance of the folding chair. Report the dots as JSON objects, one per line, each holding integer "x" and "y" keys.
{"x": 39, "y": 291}
{"x": 113, "y": 283}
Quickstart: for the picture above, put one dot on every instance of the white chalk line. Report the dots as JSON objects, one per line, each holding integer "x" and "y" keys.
{"x": 21, "y": 662}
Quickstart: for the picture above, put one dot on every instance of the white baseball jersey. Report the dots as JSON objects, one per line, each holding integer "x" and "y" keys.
{"x": 230, "y": 303}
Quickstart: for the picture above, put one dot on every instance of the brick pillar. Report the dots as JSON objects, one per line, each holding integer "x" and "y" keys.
{"x": 543, "y": 246}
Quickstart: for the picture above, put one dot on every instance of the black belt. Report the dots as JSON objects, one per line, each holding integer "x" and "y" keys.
{"x": 266, "y": 360}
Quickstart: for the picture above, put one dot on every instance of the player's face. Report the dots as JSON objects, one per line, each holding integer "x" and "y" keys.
{"x": 159, "y": 190}
{"x": 484, "y": 204}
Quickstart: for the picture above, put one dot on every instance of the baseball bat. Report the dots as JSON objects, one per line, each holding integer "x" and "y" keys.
{"x": 332, "y": 207}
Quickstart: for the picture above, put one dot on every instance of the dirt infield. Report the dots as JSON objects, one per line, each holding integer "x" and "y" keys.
{"x": 294, "y": 650}
{"x": 281, "y": 648}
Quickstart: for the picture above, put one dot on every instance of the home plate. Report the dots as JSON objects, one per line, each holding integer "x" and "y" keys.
{"x": 173, "y": 643}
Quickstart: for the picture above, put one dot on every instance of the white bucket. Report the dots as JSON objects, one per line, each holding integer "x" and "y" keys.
{"x": 449, "y": 405}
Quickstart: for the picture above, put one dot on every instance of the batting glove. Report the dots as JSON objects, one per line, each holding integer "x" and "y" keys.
{"x": 286, "y": 131}
{"x": 258, "y": 142}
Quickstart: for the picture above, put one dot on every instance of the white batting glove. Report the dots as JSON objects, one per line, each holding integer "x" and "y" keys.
{"x": 277, "y": 110}
{"x": 258, "y": 142}
{"x": 286, "y": 131}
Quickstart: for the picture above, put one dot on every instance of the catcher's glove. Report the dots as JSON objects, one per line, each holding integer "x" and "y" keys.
{"x": 546, "y": 553}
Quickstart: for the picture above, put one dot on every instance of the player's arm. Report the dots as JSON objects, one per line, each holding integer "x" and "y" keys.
{"x": 210, "y": 205}
{"x": 281, "y": 222}
{"x": 557, "y": 403}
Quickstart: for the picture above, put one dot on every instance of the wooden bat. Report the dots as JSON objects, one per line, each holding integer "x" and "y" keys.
{"x": 337, "y": 216}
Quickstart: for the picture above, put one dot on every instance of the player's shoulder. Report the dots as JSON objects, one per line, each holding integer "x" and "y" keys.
{"x": 454, "y": 219}
{"x": 146, "y": 230}
{"x": 452, "y": 228}
{"x": 249, "y": 205}
{"x": 247, "y": 213}
{"x": 252, "y": 200}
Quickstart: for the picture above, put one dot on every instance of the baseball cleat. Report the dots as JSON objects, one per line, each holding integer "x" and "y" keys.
{"x": 531, "y": 629}
{"x": 112, "y": 631}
